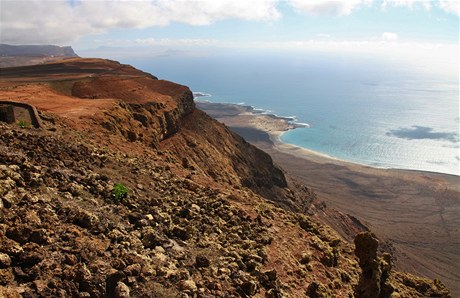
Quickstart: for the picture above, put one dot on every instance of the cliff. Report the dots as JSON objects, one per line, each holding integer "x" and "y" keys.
{"x": 36, "y": 50}
{"x": 16, "y": 55}
{"x": 128, "y": 190}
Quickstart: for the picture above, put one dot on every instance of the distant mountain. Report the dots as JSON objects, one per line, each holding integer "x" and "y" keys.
{"x": 20, "y": 55}
{"x": 36, "y": 50}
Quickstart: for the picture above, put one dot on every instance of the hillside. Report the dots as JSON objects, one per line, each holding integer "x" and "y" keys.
{"x": 413, "y": 213}
{"x": 206, "y": 214}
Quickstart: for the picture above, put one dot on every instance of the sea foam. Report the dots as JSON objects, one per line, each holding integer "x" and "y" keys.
{"x": 200, "y": 94}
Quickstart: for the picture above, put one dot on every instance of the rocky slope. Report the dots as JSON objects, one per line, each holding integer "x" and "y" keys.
{"x": 205, "y": 213}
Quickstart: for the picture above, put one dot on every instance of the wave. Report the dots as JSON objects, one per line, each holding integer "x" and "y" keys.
{"x": 292, "y": 120}
{"x": 303, "y": 124}
{"x": 200, "y": 94}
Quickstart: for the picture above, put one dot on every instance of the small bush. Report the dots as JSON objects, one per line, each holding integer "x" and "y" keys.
{"x": 23, "y": 124}
{"x": 119, "y": 192}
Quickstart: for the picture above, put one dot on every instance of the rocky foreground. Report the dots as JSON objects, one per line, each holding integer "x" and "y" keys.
{"x": 127, "y": 190}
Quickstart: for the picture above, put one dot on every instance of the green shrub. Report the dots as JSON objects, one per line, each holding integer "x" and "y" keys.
{"x": 119, "y": 192}
{"x": 23, "y": 124}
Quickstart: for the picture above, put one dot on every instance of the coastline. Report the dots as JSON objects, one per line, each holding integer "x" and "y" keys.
{"x": 414, "y": 212}
{"x": 251, "y": 123}
{"x": 239, "y": 116}
{"x": 322, "y": 158}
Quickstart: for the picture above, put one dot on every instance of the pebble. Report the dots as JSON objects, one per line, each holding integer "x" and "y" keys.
{"x": 188, "y": 285}
{"x": 5, "y": 260}
{"x": 121, "y": 290}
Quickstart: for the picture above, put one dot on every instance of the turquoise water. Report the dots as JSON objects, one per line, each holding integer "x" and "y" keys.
{"x": 360, "y": 109}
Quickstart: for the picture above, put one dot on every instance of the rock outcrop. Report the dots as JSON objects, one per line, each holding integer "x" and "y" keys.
{"x": 377, "y": 280}
{"x": 375, "y": 271}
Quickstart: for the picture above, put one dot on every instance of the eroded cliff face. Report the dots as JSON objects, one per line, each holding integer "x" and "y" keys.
{"x": 160, "y": 113}
{"x": 156, "y": 106}
{"x": 207, "y": 146}
{"x": 195, "y": 220}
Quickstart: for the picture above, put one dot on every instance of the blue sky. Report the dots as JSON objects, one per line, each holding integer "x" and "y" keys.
{"x": 89, "y": 23}
{"x": 406, "y": 21}
{"x": 400, "y": 27}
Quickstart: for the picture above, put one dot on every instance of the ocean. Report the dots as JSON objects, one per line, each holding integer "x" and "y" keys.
{"x": 363, "y": 109}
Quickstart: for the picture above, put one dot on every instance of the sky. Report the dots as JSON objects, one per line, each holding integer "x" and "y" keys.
{"x": 398, "y": 27}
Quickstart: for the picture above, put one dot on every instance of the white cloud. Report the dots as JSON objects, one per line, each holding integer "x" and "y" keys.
{"x": 167, "y": 42}
{"x": 412, "y": 4}
{"x": 62, "y": 21}
{"x": 346, "y": 7}
{"x": 389, "y": 36}
{"x": 450, "y": 6}
{"x": 146, "y": 41}
{"x": 327, "y": 7}
{"x": 407, "y": 3}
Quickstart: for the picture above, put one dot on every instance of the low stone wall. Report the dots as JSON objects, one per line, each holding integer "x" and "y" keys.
{"x": 12, "y": 112}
